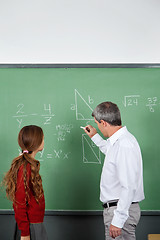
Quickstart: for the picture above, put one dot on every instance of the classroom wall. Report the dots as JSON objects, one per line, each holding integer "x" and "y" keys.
{"x": 79, "y": 226}
{"x": 97, "y": 31}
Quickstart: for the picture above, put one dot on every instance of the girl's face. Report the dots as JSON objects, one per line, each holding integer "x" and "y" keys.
{"x": 41, "y": 146}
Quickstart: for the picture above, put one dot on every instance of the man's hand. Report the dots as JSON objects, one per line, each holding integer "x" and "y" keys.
{"x": 91, "y": 131}
{"x": 25, "y": 238}
{"x": 114, "y": 231}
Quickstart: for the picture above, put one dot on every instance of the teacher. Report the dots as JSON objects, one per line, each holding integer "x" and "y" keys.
{"x": 121, "y": 186}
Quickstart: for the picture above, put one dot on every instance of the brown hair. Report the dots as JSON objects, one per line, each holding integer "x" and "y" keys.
{"x": 29, "y": 138}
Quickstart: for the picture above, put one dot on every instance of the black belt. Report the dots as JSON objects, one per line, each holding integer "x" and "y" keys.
{"x": 112, "y": 204}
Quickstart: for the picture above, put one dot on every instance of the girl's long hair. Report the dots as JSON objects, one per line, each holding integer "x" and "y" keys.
{"x": 29, "y": 138}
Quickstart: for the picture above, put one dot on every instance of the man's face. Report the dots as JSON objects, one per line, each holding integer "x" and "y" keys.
{"x": 101, "y": 127}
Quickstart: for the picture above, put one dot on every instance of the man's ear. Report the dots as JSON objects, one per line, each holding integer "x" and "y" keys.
{"x": 104, "y": 123}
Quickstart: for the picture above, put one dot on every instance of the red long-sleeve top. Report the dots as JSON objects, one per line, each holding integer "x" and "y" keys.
{"x": 32, "y": 212}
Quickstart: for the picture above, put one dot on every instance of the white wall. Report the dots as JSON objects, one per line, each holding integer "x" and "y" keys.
{"x": 79, "y": 31}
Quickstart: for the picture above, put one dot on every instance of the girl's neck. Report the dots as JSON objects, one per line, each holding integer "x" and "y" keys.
{"x": 33, "y": 154}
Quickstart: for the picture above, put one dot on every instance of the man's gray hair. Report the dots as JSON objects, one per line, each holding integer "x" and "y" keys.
{"x": 109, "y": 112}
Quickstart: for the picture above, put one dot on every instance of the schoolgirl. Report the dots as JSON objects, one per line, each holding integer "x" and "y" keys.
{"x": 24, "y": 188}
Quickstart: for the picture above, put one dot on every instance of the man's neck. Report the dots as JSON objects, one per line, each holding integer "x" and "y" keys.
{"x": 113, "y": 129}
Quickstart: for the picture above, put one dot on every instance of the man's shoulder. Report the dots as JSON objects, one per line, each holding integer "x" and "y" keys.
{"x": 127, "y": 140}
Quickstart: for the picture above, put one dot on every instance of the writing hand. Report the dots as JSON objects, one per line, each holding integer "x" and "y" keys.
{"x": 114, "y": 231}
{"x": 91, "y": 131}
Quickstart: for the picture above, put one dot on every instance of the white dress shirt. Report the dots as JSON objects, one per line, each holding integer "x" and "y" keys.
{"x": 122, "y": 173}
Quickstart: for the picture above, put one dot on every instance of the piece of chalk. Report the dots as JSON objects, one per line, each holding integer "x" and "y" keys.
{"x": 85, "y": 128}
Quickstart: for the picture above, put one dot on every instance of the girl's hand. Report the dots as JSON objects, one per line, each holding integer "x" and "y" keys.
{"x": 25, "y": 238}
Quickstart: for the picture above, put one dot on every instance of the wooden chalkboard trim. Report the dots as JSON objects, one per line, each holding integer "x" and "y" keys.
{"x": 79, "y": 213}
{"x": 84, "y": 65}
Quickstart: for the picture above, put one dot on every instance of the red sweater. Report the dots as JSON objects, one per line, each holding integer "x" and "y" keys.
{"x": 31, "y": 213}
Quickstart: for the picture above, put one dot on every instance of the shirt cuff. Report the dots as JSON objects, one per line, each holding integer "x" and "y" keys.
{"x": 119, "y": 221}
{"x": 96, "y": 138}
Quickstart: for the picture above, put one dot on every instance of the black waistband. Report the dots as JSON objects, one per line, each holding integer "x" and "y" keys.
{"x": 112, "y": 204}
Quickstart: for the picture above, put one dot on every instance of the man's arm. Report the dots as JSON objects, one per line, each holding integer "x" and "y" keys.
{"x": 96, "y": 138}
{"x": 127, "y": 174}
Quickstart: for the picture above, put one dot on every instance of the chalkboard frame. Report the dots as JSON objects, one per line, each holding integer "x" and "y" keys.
{"x": 83, "y": 65}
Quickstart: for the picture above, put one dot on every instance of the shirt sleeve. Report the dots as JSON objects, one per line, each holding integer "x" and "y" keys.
{"x": 100, "y": 142}
{"x": 127, "y": 173}
{"x": 20, "y": 206}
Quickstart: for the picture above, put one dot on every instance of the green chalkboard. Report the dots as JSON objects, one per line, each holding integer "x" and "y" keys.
{"x": 60, "y": 100}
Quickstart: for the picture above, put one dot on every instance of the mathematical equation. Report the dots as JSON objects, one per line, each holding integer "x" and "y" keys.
{"x": 54, "y": 154}
{"x": 133, "y": 100}
{"x": 83, "y": 109}
{"x": 21, "y": 114}
{"x": 62, "y": 131}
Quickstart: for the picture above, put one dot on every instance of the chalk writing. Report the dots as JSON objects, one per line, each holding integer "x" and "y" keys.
{"x": 131, "y": 100}
{"x": 81, "y": 105}
{"x": 63, "y": 130}
{"x": 41, "y": 153}
{"x": 49, "y": 155}
{"x": 56, "y": 154}
{"x": 20, "y": 107}
{"x": 48, "y": 114}
{"x": 151, "y": 103}
{"x": 90, "y": 100}
{"x": 21, "y": 114}
{"x": 91, "y": 153}
{"x": 61, "y": 154}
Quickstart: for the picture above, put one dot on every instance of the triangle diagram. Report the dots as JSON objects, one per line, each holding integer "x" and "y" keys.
{"x": 91, "y": 153}
{"x": 83, "y": 109}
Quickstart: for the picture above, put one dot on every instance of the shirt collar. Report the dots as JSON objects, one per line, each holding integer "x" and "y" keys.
{"x": 117, "y": 135}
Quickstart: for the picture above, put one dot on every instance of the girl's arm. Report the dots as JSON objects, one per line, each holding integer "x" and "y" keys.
{"x": 20, "y": 207}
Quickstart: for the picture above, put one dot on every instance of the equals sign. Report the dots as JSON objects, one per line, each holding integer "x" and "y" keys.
{"x": 33, "y": 114}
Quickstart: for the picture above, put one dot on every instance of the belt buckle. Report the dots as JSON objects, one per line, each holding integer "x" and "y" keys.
{"x": 107, "y": 204}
